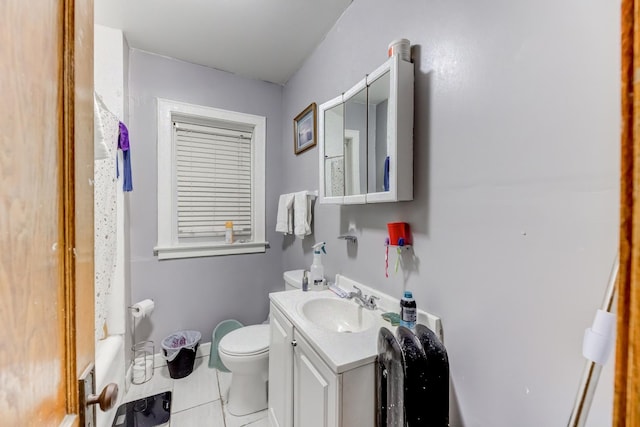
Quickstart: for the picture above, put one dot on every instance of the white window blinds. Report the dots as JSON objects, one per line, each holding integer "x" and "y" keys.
{"x": 213, "y": 181}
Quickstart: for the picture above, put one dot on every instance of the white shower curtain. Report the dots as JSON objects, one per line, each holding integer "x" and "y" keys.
{"x": 105, "y": 213}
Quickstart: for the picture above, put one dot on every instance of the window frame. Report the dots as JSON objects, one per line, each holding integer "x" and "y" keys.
{"x": 169, "y": 245}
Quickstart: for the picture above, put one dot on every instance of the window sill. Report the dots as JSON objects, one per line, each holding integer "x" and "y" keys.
{"x": 203, "y": 250}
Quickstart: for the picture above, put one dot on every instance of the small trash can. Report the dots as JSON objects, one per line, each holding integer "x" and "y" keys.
{"x": 179, "y": 350}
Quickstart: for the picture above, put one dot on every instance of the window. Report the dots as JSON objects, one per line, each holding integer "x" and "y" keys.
{"x": 211, "y": 170}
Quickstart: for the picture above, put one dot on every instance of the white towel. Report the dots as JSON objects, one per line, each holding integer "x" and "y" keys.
{"x": 302, "y": 214}
{"x": 284, "y": 219}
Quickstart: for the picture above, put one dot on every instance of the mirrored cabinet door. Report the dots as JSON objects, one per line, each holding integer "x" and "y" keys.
{"x": 378, "y": 139}
{"x": 334, "y": 151}
{"x": 390, "y": 159}
{"x": 331, "y": 144}
{"x": 355, "y": 143}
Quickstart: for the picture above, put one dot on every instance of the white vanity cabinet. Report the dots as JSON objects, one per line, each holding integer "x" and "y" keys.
{"x": 280, "y": 370}
{"x": 303, "y": 389}
{"x": 366, "y": 139}
{"x": 315, "y": 388}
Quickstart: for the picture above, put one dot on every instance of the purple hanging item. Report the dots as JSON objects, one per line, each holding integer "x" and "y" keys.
{"x": 123, "y": 139}
{"x": 123, "y": 144}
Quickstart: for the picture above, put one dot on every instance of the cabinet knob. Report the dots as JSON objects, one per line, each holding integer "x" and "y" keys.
{"x": 294, "y": 343}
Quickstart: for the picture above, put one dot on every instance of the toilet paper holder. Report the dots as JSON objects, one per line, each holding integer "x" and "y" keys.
{"x": 143, "y": 352}
{"x": 143, "y": 362}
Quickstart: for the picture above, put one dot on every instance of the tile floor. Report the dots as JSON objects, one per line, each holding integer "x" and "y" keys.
{"x": 197, "y": 400}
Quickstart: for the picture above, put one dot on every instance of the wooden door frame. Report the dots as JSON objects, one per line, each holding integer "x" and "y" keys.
{"x": 627, "y": 373}
{"x": 67, "y": 204}
{"x": 77, "y": 195}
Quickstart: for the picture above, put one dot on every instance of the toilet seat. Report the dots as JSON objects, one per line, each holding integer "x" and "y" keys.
{"x": 246, "y": 341}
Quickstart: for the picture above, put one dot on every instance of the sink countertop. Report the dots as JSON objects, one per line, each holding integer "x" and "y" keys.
{"x": 345, "y": 351}
{"x": 341, "y": 351}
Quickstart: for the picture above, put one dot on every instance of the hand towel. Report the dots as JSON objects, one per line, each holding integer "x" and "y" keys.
{"x": 284, "y": 219}
{"x": 302, "y": 214}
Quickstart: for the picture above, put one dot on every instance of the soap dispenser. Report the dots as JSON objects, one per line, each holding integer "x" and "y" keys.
{"x": 317, "y": 270}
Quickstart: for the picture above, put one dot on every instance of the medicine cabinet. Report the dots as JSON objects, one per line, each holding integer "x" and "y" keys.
{"x": 366, "y": 139}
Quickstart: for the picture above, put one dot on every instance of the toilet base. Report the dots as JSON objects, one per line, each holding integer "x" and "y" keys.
{"x": 247, "y": 394}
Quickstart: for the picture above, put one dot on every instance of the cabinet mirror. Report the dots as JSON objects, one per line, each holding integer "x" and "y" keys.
{"x": 333, "y": 130}
{"x": 355, "y": 141}
{"x": 378, "y": 152}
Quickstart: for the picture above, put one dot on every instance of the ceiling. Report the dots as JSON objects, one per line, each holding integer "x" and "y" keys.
{"x": 261, "y": 39}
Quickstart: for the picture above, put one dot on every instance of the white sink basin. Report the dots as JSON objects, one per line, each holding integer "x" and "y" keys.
{"x": 336, "y": 315}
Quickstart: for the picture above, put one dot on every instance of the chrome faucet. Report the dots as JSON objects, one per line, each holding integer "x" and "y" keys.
{"x": 368, "y": 302}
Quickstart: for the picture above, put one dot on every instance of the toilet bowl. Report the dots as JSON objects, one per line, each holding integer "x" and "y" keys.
{"x": 245, "y": 352}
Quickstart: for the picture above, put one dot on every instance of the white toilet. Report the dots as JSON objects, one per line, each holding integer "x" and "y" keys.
{"x": 245, "y": 352}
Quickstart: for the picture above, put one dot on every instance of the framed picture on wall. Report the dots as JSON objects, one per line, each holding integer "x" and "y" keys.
{"x": 305, "y": 129}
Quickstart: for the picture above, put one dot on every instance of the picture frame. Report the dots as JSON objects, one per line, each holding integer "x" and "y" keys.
{"x": 305, "y": 129}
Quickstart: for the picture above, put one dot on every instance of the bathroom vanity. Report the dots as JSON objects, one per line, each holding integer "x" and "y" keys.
{"x": 322, "y": 357}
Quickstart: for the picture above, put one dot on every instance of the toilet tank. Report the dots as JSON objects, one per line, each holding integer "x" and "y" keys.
{"x": 293, "y": 279}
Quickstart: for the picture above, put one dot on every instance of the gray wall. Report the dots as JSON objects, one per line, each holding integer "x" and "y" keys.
{"x": 514, "y": 217}
{"x": 196, "y": 293}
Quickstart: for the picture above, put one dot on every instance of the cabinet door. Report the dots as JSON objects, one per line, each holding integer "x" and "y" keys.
{"x": 315, "y": 388}
{"x": 355, "y": 144}
{"x": 280, "y": 370}
{"x": 390, "y": 137}
{"x": 331, "y": 142}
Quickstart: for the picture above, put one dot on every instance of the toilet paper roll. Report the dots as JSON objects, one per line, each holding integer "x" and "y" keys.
{"x": 142, "y": 370}
{"x": 142, "y": 308}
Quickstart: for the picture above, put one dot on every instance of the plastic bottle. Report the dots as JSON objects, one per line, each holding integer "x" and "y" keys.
{"x": 317, "y": 270}
{"x": 408, "y": 310}
{"x": 228, "y": 232}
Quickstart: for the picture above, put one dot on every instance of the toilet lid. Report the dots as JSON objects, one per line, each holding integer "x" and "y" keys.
{"x": 246, "y": 341}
